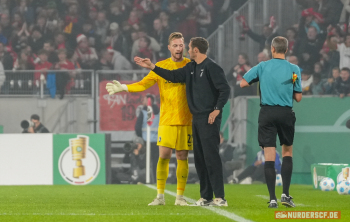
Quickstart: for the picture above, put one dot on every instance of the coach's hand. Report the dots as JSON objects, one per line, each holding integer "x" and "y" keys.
{"x": 212, "y": 116}
{"x": 115, "y": 87}
{"x": 145, "y": 63}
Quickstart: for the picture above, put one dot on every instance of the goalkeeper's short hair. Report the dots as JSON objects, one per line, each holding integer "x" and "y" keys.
{"x": 175, "y": 35}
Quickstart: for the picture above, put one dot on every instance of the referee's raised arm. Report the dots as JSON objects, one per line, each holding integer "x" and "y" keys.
{"x": 280, "y": 83}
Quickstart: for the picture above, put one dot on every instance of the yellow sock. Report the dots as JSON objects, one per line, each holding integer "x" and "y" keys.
{"x": 182, "y": 175}
{"x": 162, "y": 174}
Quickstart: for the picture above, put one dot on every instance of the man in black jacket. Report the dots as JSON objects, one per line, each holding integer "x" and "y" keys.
{"x": 38, "y": 126}
{"x": 342, "y": 84}
{"x": 207, "y": 92}
{"x": 265, "y": 39}
{"x": 308, "y": 46}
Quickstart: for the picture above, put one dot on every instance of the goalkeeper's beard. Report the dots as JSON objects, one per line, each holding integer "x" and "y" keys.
{"x": 177, "y": 56}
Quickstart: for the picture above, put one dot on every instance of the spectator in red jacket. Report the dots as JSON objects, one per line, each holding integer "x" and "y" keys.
{"x": 60, "y": 41}
{"x": 87, "y": 56}
{"x": 291, "y": 34}
{"x": 64, "y": 80}
{"x": 134, "y": 20}
{"x": 144, "y": 50}
{"x": 50, "y": 49}
{"x": 64, "y": 63}
{"x": 42, "y": 66}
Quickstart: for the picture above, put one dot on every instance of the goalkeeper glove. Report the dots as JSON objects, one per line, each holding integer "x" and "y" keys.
{"x": 116, "y": 87}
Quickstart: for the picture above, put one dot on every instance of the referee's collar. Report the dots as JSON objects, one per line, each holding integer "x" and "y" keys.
{"x": 279, "y": 58}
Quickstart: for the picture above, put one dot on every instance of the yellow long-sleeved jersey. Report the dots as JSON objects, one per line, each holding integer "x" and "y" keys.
{"x": 173, "y": 102}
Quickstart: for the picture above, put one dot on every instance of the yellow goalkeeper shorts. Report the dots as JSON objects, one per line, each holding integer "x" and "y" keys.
{"x": 175, "y": 137}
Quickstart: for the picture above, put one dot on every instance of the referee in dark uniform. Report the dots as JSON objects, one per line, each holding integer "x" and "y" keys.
{"x": 207, "y": 92}
{"x": 280, "y": 83}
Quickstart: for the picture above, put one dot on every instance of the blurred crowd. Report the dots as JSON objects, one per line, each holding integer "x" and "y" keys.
{"x": 319, "y": 44}
{"x": 64, "y": 35}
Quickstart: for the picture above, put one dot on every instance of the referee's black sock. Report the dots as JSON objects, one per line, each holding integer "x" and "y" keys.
{"x": 270, "y": 176}
{"x": 286, "y": 173}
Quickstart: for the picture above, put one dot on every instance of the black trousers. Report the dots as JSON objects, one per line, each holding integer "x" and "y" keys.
{"x": 61, "y": 82}
{"x": 206, "y": 140}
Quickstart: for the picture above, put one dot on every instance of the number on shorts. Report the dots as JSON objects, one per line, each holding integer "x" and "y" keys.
{"x": 189, "y": 138}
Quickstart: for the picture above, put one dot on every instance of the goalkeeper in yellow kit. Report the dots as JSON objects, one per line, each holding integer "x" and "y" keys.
{"x": 175, "y": 124}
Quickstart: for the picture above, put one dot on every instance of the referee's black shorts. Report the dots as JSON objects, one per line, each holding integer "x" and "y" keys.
{"x": 275, "y": 120}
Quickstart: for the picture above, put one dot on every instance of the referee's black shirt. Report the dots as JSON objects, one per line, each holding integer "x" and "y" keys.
{"x": 206, "y": 85}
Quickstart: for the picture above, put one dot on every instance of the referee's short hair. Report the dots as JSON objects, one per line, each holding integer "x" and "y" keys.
{"x": 280, "y": 44}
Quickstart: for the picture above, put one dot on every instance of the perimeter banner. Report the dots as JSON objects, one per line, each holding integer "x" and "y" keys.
{"x": 79, "y": 159}
{"x": 118, "y": 111}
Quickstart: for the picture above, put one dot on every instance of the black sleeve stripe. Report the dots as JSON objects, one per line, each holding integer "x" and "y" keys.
{"x": 254, "y": 80}
{"x": 296, "y": 91}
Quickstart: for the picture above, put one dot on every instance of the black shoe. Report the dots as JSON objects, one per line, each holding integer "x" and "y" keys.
{"x": 287, "y": 201}
{"x": 273, "y": 204}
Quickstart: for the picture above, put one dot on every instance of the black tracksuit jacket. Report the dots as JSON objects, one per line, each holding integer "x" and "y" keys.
{"x": 206, "y": 85}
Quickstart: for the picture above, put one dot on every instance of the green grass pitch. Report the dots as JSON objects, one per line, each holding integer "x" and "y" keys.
{"x": 129, "y": 203}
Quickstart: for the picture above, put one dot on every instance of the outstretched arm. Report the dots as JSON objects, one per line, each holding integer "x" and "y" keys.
{"x": 144, "y": 84}
{"x": 115, "y": 87}
{"x": 140, "y": 86}
{"x": 256, "y": 37}
{"x": 175, "y": 76}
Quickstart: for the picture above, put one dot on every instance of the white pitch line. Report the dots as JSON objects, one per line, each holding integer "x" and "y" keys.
{"x": 221, "y": 212}
{"x": 268, "y": 198}
{"x": 91, "y": 214}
